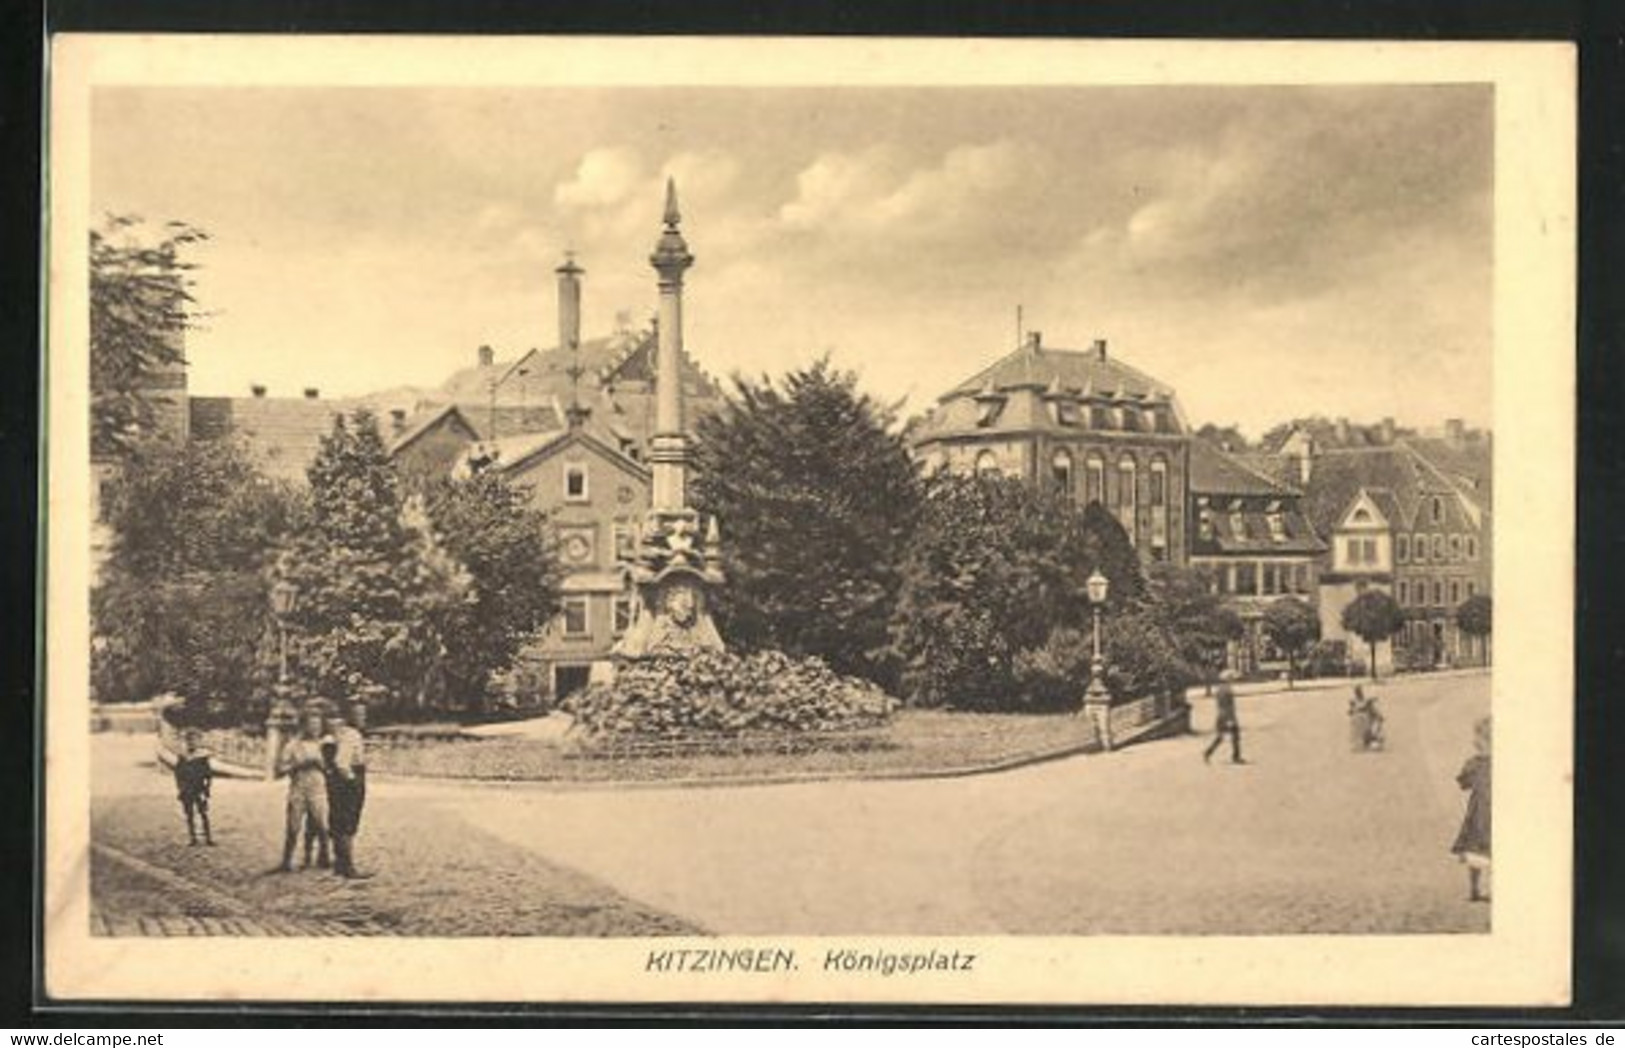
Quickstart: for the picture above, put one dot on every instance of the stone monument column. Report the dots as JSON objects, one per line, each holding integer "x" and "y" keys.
{"x": 678, "y": 558}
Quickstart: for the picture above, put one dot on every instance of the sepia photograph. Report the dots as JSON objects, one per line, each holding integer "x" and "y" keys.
{"x": 809, "y": 521}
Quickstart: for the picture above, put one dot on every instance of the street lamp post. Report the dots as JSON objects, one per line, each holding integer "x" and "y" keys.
{"x": 284, "y": 601}
{"x": 1097, "y": 699}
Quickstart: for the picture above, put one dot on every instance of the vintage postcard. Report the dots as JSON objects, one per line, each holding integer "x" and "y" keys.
{"x": 800, "y": 520}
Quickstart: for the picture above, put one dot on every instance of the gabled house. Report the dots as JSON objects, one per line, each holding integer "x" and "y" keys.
{"x": 595, "y": 494}
{"x": 1361, "y": 559}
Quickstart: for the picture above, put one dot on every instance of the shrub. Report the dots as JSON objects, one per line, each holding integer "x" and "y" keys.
{"x": 1327, "y": 658}
{"x": 726, "y": 693}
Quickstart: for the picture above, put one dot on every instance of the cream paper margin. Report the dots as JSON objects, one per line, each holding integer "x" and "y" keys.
{"x": 1524, "y": 961}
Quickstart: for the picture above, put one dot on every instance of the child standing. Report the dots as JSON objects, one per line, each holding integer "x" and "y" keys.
{"x": 193, "y": 776}
{"x": 1473, "y": 841}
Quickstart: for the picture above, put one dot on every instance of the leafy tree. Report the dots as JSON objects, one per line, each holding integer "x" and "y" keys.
{"x": 817, "y": 496}
{"x": 994, "y": 569}
{"x": 1474, "y": 617}
{"x": 181, "y": 603}
{"x": 1292, "y": 625}
{"x": 490, "y": 527}
{"x": 1373, "y": 616}
{"x": 1197, "y": 619}
{"x": 378, "y": 594}
{"x": 1228, "y": 437}
{"x": 141, "y": 306}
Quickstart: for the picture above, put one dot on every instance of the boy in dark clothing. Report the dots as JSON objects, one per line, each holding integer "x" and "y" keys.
{"x": 193, "y": 776}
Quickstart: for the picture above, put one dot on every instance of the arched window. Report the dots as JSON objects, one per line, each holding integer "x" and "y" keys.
{"x": 987, "y": 464}
{"x": 1455, "y": 547}
{"x": 1127, "y": 495}
{"x": 1094, "y": 469}
{"x": 1404, "y": 593}
{"x": 1159, "y": 483}
{"x": 1402, "y": 550}
{"x": 1438, "y": 509}
{"x": 1061, "y": 471}
{"x": 1438, "y": 549}
{"x": 1419, "y": 548}
{"x": 1472, "y": 547}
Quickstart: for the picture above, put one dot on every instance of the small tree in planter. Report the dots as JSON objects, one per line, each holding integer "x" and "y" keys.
{"x": 1474, "y": 618}
{"x": 1374, "y": 616}
{"x": 1292, "y": 626}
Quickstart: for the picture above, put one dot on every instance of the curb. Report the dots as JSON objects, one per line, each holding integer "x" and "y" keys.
{"x": 1146, "y": 732}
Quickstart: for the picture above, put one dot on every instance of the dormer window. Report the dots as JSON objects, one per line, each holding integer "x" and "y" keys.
{"x": 1238, "y": 524}
{"x": 1205, "y": 525}
{"x": 987, "y": 465}
{"x": 1277, "y": 525}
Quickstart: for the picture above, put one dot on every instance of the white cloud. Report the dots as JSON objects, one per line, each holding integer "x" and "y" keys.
{"x": 604, "y": 178}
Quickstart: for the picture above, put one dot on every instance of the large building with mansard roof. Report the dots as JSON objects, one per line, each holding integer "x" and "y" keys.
{"x": 1081, "y": 421}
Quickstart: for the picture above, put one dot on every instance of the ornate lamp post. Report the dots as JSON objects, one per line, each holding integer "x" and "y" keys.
{"x": 284, "y": 602}
{"x": 1097, "y": 700}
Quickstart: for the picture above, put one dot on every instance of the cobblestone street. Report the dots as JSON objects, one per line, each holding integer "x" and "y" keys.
{"x": 434, "y": 873}
{"x": 1306, "y": 838}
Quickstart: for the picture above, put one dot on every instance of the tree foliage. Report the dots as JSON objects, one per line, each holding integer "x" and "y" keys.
{"x": 1194, "y": 616}
{"x": 1373, "y": 616}
{"x": 994, "y": 568}
{"x": 1475, "y": 615}
{"x": 181, "y": 602}
{"x": 492, "y": 530}
{"x": 378, "y": 593}
{"x": 817, "y": 497}
{"x": 141, "y": 306}
{"x": 1292, "y": 626}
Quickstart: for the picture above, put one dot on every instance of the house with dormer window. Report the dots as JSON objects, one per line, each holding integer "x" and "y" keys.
{"x": 1081, "y": 422}
{"x": 1252, "y": 540}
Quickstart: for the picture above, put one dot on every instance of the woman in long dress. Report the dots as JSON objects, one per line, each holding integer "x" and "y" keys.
{"x": 1472, "y": 845}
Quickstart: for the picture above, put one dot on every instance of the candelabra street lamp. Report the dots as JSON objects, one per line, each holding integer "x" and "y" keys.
{"x": 1097, "y": 699}
{"x": 284, "y": 602}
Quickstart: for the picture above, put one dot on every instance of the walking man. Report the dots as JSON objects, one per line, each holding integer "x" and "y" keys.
{"x": 1226, "y": 723}
{"x": 347, "y": 787}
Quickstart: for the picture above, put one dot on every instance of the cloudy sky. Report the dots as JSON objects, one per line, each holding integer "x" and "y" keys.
{"x": 1269, "y": 251}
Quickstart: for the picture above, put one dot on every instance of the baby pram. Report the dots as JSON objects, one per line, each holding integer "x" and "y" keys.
{"x": 1367, "y": 729}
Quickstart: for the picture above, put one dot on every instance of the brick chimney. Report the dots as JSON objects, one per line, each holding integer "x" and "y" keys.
{"x": 487, "y": 357}
{"x": 569, "y": 302}
{"x": 1100, "y": 350}
{"x": 312, "y": 393}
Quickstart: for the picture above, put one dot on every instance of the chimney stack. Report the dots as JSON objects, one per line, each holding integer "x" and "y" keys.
{"x": 487, "y": 357}
{"x": 1342, "y": 432}
{"x": 397, "y": 418}
{"x": 258, "y": 391}
{"x": 1388, "y": 430}
{"x": 569, "y": 302}
{"x": 1100, "y": 350}
{"x": 1455, "y": 430}
{"x": 1035, "y": 341}
{"x": 312, "y": 393}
